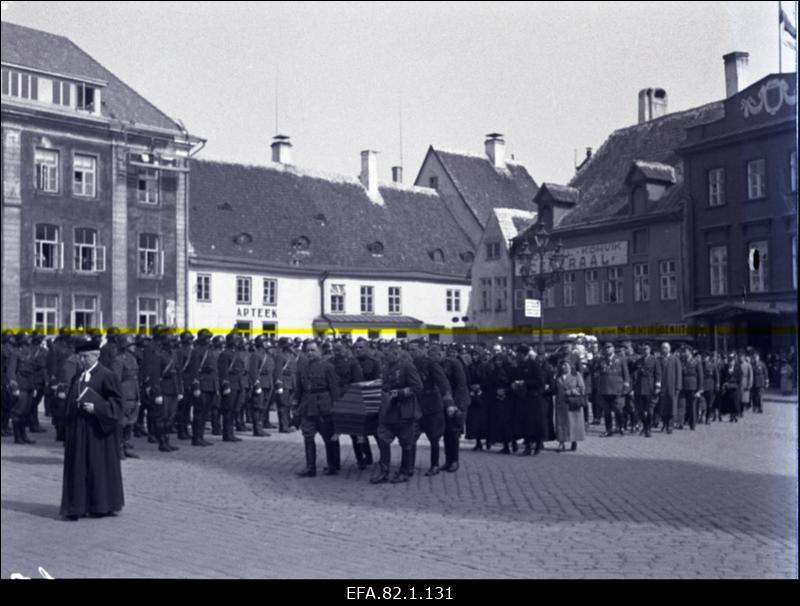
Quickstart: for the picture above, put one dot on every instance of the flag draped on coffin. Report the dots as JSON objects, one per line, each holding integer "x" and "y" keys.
{"x": 356, "y": 413}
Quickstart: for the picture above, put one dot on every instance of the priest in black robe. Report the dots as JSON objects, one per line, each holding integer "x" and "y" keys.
{"x": 92, "y": 471}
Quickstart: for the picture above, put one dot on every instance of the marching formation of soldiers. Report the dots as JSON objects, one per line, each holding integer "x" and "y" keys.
{"x": 179, "y": 384}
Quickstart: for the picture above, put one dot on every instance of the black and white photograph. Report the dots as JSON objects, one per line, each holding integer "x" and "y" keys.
{"x": 399, "y": 295}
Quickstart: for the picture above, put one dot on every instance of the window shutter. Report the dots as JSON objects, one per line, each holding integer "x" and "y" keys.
{"x": 100, "y": 258}
{"x": 161, "y": 262}
{"x": 72, "y": 316}
{"x": 60, "y": 255}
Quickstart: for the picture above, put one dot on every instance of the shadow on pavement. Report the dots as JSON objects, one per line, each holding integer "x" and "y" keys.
{"x": 43, "y": 510}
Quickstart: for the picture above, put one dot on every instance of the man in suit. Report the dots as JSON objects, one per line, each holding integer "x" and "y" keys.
{"x": 92, "y": 473}
{"x": 613, "y": 382}
{"x": 671, "y": 382}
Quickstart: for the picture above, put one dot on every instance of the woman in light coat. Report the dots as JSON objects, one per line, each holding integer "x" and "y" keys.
{"x": 569, "y": 423}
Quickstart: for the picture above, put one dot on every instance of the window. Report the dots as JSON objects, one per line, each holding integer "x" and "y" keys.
{"x": 613, "y": 286}
{"x": 569, "y": 289}
{"x": 337, "y": 298}
{"x": 147, "y": 186}
{"x": 151, "y": 258}
{"x": 373, "y": 334}
{"x": 641, "y": 282}
{"x": 204, "y": 288}
{"x": 641, "y": 241}
{"x": 48, "y": 250}
{"x": 592, "y": 287}
{"x": 394, "y": 299}
{"x": 61, "y": 92}
{"x": 793, "y": 172}
{"x": 147, "y": 314}
{"x": 501, "y": 294}
{"x": 269, "y": 328}
{"x": 88, "y": 256}
{"x": 83, "y": 175}
{"x": 718, "y": 266}
{"x": 244, "y": 328}
{"x": 45, "y": 313}
{"x": 270, "y": 291}
{"x": 756, "y": 179}
{"x": 549, "y": 297}
{"x": 433, "y": 182}
{"x": 453, "y": 300}
{"x": 486, "y": 294}
{"x": 243, "y": 290}
{"x": 492, "y": 251}
{"x": 519, "y": 298}
{"x": 86, "y": 97}
{"x": 716, "y": 187}
{"x": 85, "y": 312}
{"x": 759, "y": 270}
{"x": 17, "y": 84}
{"x": 46, "y": 161}
{"x": 669, "y": 280}
{"x": 402, "y": 334}
{"x": 366, "y": 300}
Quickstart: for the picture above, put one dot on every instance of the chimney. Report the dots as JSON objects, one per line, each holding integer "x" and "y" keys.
{"x": 652, "y": 104}
{"x": 588, "y": 153}
{"x": 496, "y": 149}
{"x": 281, "y": 149}
{"x": 397, "y": 174}
{"x": 735, "y": 72}
{"x": 369, "y": 170}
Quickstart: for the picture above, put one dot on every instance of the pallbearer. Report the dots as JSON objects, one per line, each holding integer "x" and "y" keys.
{"x": 433, "y": 400}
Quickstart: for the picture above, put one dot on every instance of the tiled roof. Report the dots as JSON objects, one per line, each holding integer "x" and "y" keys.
{"x": 484, "y": 187}
{"x": 512, "y": 221}
{"x": 601, "y": 181}
{"x": 559, "y": 193}
{"x": 40, "y": 50}
{"x": 275, "y": 205}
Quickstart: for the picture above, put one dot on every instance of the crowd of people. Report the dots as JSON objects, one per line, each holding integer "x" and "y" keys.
{"x": 102, "y": 392}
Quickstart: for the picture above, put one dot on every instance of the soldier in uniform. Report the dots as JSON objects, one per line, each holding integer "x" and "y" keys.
{"x": 433, "y": 400}
{"x": 203, "y": 380}
{"x": 24, "y": 374}
{"x": 454, "y": 415}
{"x": 317, "y": 390}
{"x": 8, "y": 347}
{"x": 348, "y": 371}
{"x": 370, "y": 371}
{"x": 262, "y": 376}
{"x": 184, "y": 353}
{"x": 232, "y": 371}
{"x": 710, "y": 387}
{"x": 691, "y": 388}
{"x": 42, "y": 384}
{"x": 671, "y": 381}
{"x": 613, "y": 381}
{"x": 399, "y": 413}
{"x": 111, "y": 348}
{"x": 646, "y": 385}
{"x": 760, "y": 382}
{"x": 139, "y": 427}
{"x": 67, "y": 365}
{"x": 164, "y": 384}
{"x": 217, "y": 347}
{"x": 285, "y": 370}
{"x": 126, "y": 368}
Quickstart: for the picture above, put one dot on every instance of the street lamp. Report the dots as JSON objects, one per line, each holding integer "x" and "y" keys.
{"x": 539, "y": 267}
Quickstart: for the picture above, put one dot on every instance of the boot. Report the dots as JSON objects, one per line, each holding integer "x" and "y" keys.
{"x": 138, "y": 431}
{"x": 283, "y": 420}
{"x": 359, "y": 455}
{"x": 478, "y": 445}
{"x": 381, "y": 475}
{"x": 227, "y": 428}
{"x": 412, "y": 460}
{"x": 539, "y": 446}
{"x": 311, "y": 459}
{"x": 215, "y": 424}
{"x": 126, "y": 437}
{"x": 333, "y": 455}
{"x": 367, "y": 451}
{"x": 514, "y": 446}
{"x": 257, "y": 431}
{"x": 527, "y": 450}
{"x": 20, "y": 435}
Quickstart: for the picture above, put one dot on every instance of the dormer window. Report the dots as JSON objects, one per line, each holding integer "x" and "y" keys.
{"x": 375, "y": 248}
{"x": 243, "y": 238}
{"x": 321, "y": 219}
{"x": 22, "y": 86}
{"x": 301, "y": 244}
{"x": 436, "y": 255}
{"x": 61, "y": 93}
{"x": 86, "y": 98}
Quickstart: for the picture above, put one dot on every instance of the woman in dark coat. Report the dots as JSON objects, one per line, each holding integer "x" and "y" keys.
{"x": 477, "y": 423}
{"x": 730, "y": 378}
{"x": 530, "y": 408}
{"x": 497, "y": 397}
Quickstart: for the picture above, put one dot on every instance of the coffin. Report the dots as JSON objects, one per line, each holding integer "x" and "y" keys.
{"x": 356, "y": 413}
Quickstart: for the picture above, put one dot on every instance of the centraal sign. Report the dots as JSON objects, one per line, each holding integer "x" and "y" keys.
{"x": 587, "y": 257}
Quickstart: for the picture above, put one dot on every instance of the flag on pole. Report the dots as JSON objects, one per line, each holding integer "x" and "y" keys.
{"x": 788, "y": 26}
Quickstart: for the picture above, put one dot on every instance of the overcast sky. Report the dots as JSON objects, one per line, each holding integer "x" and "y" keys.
{"x": 554, "y": 78}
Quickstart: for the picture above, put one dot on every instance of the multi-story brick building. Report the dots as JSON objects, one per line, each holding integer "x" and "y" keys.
{"x": 94, "y": 193}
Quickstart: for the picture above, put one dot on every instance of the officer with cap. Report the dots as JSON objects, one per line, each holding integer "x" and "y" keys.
{"x": 184, "y": 353}
{"x": 126, "y": 368}
{"x": 37, "y": 342}
{"x": 23, "y": 375}
{"x": 109, "y": 351}
{"x": 164, "y": 384}
{"x": 142, "y": 342}
{"x": 232, "y": 369}
{"x": 261, "y": 369}
{"x": 8, "y": 347}
{"x": 203, "y": 381}
{"x": 285, "y": 371}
